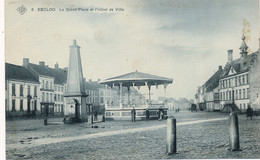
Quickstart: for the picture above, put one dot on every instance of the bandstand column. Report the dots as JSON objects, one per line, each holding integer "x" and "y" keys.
{"x": 120, "y": 96}
{"x": 149, "y": 89}
{"x": 110, "y": 95}
{"x": 165, "y": 85}
{"x": 128, "y": 90}
{"x": 106, "y": 97}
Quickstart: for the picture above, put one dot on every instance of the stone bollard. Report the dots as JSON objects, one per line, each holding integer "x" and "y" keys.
{"x": 171, "y": 135}
{"x": 234, "y": 133}
{"x": 103, "y": 118}
{"x": 45, "y": 121}
{"x": 92, "y": 119}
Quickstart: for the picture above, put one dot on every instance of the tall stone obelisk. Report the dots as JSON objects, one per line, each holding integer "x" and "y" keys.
{"x": 75, "y": 96}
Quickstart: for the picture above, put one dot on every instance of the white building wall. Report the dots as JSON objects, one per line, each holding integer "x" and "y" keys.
{"x": 18, "y": 98}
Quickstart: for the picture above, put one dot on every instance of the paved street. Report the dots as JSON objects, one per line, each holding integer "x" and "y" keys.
{"x": 199, "y": 135}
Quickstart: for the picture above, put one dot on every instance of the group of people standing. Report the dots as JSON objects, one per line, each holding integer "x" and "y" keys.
{"x": 147, "y": 114}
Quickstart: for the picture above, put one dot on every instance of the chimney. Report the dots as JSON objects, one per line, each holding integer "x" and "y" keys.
{"x": 219, "y": 67}
{"x": 230, "y": 56}
{"x": 90, "y": 80}
{"x": 56, "y": 66}
{"x": 42, "y": 63}
{"x": 25, "y": 62}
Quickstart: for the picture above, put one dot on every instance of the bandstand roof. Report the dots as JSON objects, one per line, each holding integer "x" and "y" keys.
{"x": 136, "y": 78}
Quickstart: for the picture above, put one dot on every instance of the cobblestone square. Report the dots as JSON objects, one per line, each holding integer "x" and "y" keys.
{"x": 30, "y": 139}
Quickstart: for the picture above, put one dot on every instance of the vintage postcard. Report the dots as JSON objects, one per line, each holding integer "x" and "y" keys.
{"x": 142, "y": 79}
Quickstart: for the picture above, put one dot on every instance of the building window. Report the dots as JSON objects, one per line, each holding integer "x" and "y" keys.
{"x": 239, "y": 93}
{"x": 21, "y": 105}
{"x": 236, "y": 81}
{"x": 240, "y": 106}
{"x": 13, "y": 89}
{"x": 55, "y": 88}
{"x": 244, "y": 96}
{"x": 243, "y": 80}
{"x": 58, "y": 88}
{"x": 21, "y": 90}
{"x": 239, "y": 80}
{"x": 35, "y": 91}
{"x": 47, "y": 97}
{"x": 13, "y": 104}
{"x": 236, "y": 95}
{"x": 28, "y": 90}
{"x": 246, "y": 78}
{"x": 50, "y": 97}
{"x": 61, "y": 89}
{"x": 50, "y": 85}
{"x": 42, "y": 85}
{"x": 55, "y": 97}
{"x": 229, "y": 83}
{"x": 244, "y": 106}
{"x": 229, "y": 95}
{"x": 47, "y": 85}
{"x": 43, "y": 97}
{"x": 61, "y": 98}
{"x": 35, "y": 105}
{"x": 58, "y": 98}
{"x": 247, "y": 93}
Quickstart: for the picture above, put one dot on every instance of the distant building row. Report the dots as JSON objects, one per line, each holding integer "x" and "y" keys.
{"x": 37, "y": 90}
{"x": 237, "y": 83}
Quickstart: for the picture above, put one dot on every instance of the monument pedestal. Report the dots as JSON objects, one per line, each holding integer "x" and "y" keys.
{"x": 76, "y": 109}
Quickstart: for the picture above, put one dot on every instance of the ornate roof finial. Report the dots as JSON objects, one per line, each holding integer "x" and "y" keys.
{"x": 243, "y": 48}
{"x": 74, "y": 42}
{"x": 243, "y": 37}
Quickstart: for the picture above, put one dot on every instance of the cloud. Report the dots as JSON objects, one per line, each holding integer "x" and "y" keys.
{"x": 182, "y": 39}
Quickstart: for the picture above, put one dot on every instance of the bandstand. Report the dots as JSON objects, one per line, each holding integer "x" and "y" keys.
{"x": 122, "y": 110}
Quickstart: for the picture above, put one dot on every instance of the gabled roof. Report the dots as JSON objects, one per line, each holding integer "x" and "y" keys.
{"x": 93, "y": 85}
{"x": 59, "y": 75}
{"x": 213, "y": 81}
{"x": 240, "y": 65}
{"x": 16, "y": 72}
{"x": 41, "y": 70}
{"x": 138, "y": 78}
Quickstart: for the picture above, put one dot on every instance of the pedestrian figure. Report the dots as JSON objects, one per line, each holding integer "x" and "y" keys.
{"x": 249, "y": 112}
{"x": 160, "y": 112}
{"x": 95, "y": 115}
{"x": 133, "y": 113}
{"x": 178, "y": 110}
{"x": 147, "y": 113}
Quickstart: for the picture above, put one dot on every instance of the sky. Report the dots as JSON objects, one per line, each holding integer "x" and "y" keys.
{"x": 185, "y": 40}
